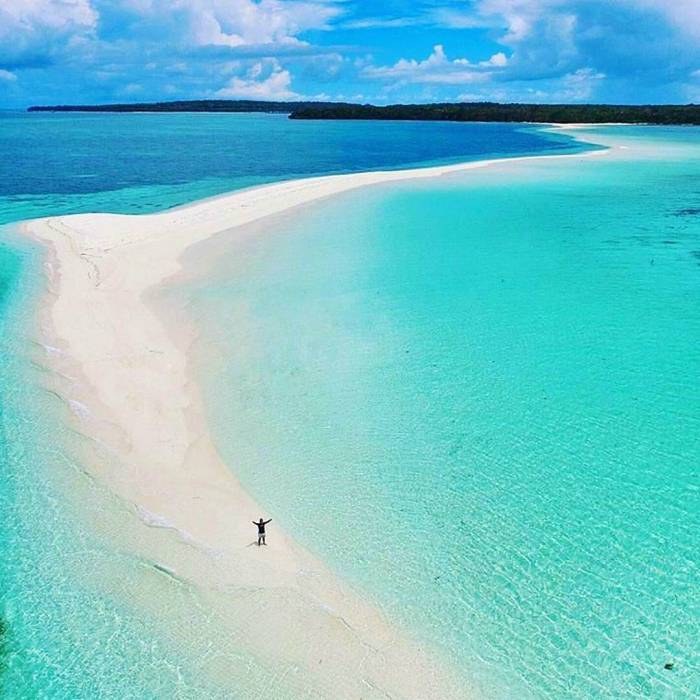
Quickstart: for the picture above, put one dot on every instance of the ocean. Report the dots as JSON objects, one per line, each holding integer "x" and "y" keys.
{"x": 484, "y": 390}
{"x": 65, "y": 163}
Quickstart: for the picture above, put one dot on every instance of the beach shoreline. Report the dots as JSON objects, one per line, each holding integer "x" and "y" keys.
{"x": 125, "y": 372}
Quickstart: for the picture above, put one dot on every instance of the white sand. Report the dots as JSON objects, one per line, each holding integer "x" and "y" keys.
{"x": 137, "y": 397}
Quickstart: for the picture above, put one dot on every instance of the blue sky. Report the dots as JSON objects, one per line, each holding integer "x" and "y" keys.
{"x": 384, "y": 51}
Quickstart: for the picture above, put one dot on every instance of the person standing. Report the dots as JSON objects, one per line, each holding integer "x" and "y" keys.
{"x": 261, "y": 530}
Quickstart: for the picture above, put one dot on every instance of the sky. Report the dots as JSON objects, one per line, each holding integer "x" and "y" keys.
{"x": 380, "y": 51}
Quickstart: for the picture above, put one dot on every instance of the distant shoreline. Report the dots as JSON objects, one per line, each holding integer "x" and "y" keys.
{"x": 563, "y": 114}
{"x": 208, "y": 106}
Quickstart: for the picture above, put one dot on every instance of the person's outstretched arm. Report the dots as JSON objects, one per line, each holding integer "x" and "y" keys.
{"x": 268, "y": 521}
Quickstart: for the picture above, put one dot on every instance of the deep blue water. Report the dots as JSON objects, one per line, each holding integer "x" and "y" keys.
{"x": 127, "y": 163}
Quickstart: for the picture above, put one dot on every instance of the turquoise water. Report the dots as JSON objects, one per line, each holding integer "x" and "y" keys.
{"x": 486, "y": 392}
{"x": 66, "y": 629}
{"x": 82, "y": 617}
{"x": 76, "y": 614}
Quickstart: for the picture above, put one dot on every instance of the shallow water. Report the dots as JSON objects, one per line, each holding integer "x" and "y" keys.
{"x": 485, "y": 392}
{"x": 82, "y": 615}
{"x": 64, "y": 632}
{"x": 77, "y": 612}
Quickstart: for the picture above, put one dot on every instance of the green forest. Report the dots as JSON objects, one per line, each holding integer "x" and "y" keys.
{"x": 495, "y": 112}
{"x": 446, "y": 111}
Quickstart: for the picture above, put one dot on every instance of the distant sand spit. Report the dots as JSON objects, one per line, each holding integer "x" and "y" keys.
{"x": 123, "y": 363}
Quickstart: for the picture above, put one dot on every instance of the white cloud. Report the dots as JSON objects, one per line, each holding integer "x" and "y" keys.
{"x": 385, "y": 22}
{"x": 579, "y": 85}
{"x": 55, "y": 14}
{"x": 39, "y": 31}
{"x": 240, "y": 22}
{"x": 437, "y": 69}
{"x": 263, "y": 81}
{"x": 456, "y": 19}
{"x": 683, "y": 14}
{"x": 524, "y": 19}
{"x": 31, "y": 31}
{"x": 550, "y": 49}
{"x": 108, "y": 43}
{"x": 131, "y": 89}
{"x": 498, "y": 60}
{"x": 636, "y": 44}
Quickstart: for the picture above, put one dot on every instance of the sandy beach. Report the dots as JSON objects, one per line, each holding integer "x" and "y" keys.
{"x": 124, "y": 368}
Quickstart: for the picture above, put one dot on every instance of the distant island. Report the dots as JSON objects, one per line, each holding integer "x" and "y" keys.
{"x": 445, "y": 111}
{"x": 495, "y": 112}
{"x": 192, "y": 106}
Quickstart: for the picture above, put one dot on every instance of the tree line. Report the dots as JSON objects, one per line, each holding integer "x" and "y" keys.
{"x": 190, "y": 106}
{"x": 444, "y": 111}
{"x": 496, "y": 112}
